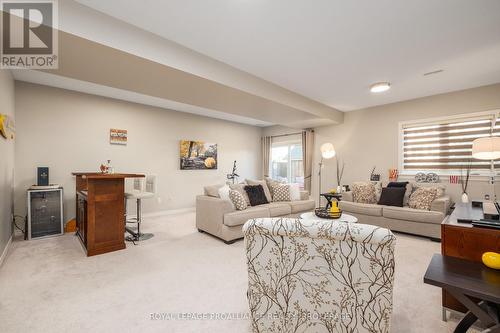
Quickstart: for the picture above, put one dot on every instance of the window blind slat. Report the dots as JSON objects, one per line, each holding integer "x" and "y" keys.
{"x": 447, "y": 144}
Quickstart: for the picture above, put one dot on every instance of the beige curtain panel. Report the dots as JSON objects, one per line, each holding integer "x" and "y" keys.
{"x": 307, "y": 152}
{"x": 266, "y": 154}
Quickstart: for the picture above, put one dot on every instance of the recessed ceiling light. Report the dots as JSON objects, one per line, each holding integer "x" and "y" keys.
{"x": 380, "y": 87}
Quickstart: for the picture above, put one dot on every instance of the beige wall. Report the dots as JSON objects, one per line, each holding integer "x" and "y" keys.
{"x": 369, "y": 137}
{"x": 69, "y": 131}
{"x": 6, "y": 160}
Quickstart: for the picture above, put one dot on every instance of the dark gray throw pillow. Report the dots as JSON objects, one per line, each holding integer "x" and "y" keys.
{"x": 256, "y": 195}
{"x": 392, "y": 196}
{"x": 397, "y": 184}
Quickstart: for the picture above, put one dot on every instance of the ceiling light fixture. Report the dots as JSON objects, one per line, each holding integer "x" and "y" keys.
{"x": 380, "y": 87}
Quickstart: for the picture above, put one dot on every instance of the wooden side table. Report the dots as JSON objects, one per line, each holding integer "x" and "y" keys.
{"x": 462, "y": 240}
{"x": 476, "y": 286}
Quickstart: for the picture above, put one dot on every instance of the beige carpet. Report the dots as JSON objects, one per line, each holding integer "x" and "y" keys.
{"x": 49, "y": 285}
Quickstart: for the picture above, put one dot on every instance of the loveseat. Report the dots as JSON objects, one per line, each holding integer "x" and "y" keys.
{"x": 403, "y": 219}
{"x": 219, "y": 217}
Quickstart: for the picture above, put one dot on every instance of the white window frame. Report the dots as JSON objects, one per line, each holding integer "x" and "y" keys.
{"x": 430, "y": 121}
{"x": 287, "y": 144}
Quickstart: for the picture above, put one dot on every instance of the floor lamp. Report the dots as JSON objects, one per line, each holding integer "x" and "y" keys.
{"x": 487, "y": 149}
{"x": 327, "y": 152}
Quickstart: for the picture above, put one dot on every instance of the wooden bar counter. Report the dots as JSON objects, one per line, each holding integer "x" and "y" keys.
{"x": 100, "y": 211}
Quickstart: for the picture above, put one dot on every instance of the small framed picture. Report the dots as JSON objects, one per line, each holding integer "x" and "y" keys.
{"x": 118, "y": 136}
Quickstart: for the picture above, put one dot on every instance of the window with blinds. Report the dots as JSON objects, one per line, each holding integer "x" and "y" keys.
{"x": 446, "y": 144}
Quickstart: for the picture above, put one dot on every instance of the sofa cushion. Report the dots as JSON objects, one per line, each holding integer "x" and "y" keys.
{"x": 361, "y": 208}
{"x": 234, "y": 219}
{"x": 213, "y": 190}
{"x": 302, "y": 205}
{"x": 278, "y": 208}
{"x": 414, "y": 215}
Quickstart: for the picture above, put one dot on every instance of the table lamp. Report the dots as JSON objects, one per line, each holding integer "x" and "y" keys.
{"x": 327, "y": 152}
{"x": 487, "y": 149}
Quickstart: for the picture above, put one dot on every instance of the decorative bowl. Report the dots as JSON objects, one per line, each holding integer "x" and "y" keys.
{"x": 327, "y": 214}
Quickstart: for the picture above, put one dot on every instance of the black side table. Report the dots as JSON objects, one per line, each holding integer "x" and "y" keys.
{"x": 465, "y": 279}
{"x": 329, "y": 197}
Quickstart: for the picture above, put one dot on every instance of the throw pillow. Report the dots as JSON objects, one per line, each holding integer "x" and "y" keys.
{"x": 294, "y": 192}
{"x": 378, "y": 189}
{"x": 271, "y": 183}
{"x": 281, "y": 193}
{"x": 441, "y": 190}
{"x": 269, "y": 196}
{"x": 256, "y": 195}
{"x": 364, "y": 192}
{"x": 422, "y": 198}
{"x": 241, "y": 188}
{"x": 238, "y": 200}
{"x": 224, "y": 194}
{"x": 397, "y": 184}
{"x": 392, "y": 196}
{"x": 213, "y": 190}
{"x": 408, "y": 191}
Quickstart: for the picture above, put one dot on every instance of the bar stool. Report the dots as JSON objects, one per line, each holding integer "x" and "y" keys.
{"x": 139, "y": 193}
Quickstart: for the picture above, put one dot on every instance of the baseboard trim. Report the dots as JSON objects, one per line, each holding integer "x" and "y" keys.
{"x": 6, "y": 250}
{"x": 168, "y": 212}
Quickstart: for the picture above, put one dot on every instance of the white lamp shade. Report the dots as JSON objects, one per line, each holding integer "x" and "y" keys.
{"x": 486, "y": 148}
{"x": 327, "y": 150}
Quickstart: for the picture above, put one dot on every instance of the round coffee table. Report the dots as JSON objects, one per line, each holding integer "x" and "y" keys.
{"x": 344, "y": 218}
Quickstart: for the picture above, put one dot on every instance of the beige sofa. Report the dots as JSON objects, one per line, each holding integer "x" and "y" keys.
{"x": 403, "y": 219}
{"x": 219, "y": 218}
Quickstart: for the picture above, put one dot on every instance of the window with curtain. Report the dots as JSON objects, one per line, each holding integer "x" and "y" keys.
{"x": 286, "y": 162}
{"x": 445, "y": 145}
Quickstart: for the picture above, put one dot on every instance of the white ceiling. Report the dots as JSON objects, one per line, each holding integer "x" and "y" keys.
{"x": 333, "y": 50}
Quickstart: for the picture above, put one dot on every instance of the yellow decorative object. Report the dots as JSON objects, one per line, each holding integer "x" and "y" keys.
{"x": 6, "y": 127}
{"x": 491, "y": 259}
{"x": 334, "y": 208}
{"x": 3, "y": 125}
{"x": 333, "y": 191}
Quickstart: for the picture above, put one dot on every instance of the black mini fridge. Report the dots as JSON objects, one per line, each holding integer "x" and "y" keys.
{"x": 45, "y": 212}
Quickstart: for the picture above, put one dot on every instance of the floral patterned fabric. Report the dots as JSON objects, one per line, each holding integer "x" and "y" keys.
{"x": 364, "y": 192}
{"x": 423, "y": 197}
{"x": 319, "y": 276}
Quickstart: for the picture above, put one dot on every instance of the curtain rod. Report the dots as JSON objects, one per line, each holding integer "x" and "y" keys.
{"x": 289, "y": 134}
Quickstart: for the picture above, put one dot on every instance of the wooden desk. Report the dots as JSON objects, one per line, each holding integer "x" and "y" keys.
{"x": 100, "y": 211}
{"x": 465, "y": 279}
{"x": 462, "y": 240}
